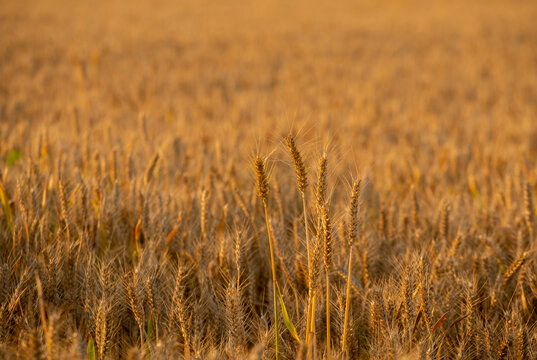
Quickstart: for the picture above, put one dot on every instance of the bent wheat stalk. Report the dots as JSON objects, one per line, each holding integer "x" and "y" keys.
{"x": 302, "y": 181}
{"x": 262, "y": 188}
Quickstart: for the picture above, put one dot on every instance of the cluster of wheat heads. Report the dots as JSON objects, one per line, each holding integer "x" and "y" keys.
{"x": 99, "y": 262}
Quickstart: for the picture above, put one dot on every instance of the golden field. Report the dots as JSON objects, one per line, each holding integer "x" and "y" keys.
{"x": 161, "y": 163}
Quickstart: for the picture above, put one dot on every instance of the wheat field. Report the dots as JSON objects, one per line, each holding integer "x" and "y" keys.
{"x": 268, "y": 179}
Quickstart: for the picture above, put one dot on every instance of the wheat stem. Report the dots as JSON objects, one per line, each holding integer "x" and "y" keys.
{"x": 347, "y": 302}
{"x": 327, "y": 314}
{"x": 273, "y": 279}
{"x": 262, "y": 188}
{"x": 327, "y": 229}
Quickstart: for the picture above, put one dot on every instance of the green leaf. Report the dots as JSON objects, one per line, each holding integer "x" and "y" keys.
{"x": 286, "y": 318}
{"x": 12, "y": 157}
{"x": 4, "y": 199}
{"x": 149, "y": 329}
{"x": 148, "y": 338}
{"x": 363, "y": 340}
{"x": 91, "y": 349}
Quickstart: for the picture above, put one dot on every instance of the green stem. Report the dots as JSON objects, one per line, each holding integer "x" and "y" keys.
{"x": 347, "y": 303}
{"x": 273, "y": 279}
{"x": 327, "y": 315}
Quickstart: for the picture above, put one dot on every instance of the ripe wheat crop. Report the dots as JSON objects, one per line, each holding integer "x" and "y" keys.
{"x": 268, "y": 180}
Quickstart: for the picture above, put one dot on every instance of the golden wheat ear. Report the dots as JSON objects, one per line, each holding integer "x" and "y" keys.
{"x": 300, "y": 168}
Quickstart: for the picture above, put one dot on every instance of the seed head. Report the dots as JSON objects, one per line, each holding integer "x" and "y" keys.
{"x": 262, "y": 180}
{"x": 353, "y": 225}
{"x": 321, "y": 181}
{"x": 300, "y": 169}
{"x": 528, "y": 204}
{"x": 444, "y": 220}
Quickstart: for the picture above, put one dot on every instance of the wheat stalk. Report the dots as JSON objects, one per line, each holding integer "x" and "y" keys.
{"x": 151, "y": 168}
{"x": 262, "y": 190}
{"x": 327, "y": 232}
{"x": 302, "y": 181}
{"x": 353, "y": 230}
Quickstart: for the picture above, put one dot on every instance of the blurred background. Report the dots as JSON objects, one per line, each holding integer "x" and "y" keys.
{"x": 374, "y": 75}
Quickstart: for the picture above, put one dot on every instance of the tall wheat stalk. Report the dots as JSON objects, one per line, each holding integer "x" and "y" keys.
{"x": 302, "y": 180}
{"x": 353, "y": 229}
{"x": 327, "y": 232}
{"x": 262, "y": 188}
